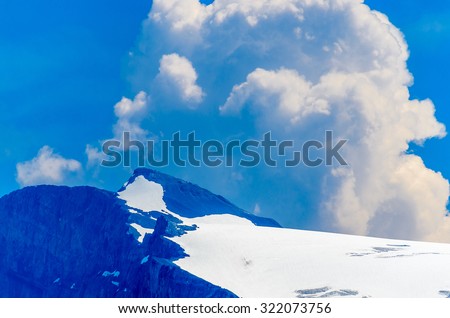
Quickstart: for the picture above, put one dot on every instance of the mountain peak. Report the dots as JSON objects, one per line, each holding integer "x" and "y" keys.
{"x": 190, "y": 200}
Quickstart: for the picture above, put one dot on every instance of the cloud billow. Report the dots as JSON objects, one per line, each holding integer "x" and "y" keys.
{"x": 298, "y": 68}
{"x": 47, "y": 167}
{"x": 177, "y": 75}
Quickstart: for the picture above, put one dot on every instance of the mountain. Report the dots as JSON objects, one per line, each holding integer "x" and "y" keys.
{"x": 189, "y": 200}
{"x": 160, "y": 236}
{"x": 84, "y": 242}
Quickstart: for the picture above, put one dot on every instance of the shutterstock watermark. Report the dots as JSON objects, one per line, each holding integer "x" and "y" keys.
{"x": 188, "y": 150}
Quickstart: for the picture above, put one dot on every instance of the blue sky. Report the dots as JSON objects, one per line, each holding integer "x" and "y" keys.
{"x": 65, "y": 65}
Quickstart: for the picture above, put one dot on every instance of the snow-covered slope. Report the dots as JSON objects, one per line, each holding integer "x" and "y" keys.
{"x": 268, "y": 262}
{"x": 232, "y": 252}
{"x": 160, "y": 236}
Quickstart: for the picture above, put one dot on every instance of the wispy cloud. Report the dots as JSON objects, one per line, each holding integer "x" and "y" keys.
{"x": 46, "y": 168}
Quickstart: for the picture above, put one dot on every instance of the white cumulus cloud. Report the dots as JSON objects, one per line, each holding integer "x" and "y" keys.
{"x": 179, "y": 77}
{"x": 46, "y": 168}
{"x": 285, "y": 90}
{"x": 130, "y": 114}
{"x": 298, "y": 68}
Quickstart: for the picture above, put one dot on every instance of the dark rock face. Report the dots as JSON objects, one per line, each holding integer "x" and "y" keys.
{"x": 75, "y": 242}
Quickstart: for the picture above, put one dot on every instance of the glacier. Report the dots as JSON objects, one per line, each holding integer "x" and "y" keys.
{"x": 160, "y": 236}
